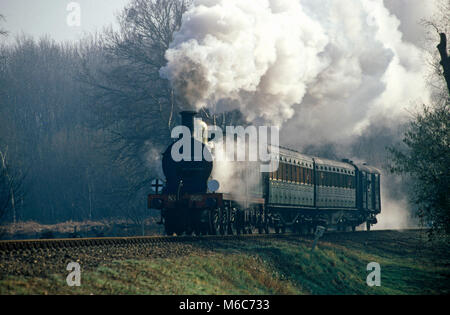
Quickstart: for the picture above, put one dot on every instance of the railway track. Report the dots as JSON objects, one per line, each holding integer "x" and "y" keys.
{"x": 15, "y": 245}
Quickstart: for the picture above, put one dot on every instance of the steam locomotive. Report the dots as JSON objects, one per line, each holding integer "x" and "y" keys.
{"x": 303, "y": 193}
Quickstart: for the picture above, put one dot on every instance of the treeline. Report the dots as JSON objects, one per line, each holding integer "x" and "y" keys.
{"x": 82, "y": 125}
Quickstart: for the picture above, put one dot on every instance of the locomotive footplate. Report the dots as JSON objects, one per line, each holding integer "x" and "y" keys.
{"x": 244, "y": 199}
{"x": 190, "y": 201}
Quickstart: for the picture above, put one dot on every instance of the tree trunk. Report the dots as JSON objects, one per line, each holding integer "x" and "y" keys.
{"x": 445, "y": 59}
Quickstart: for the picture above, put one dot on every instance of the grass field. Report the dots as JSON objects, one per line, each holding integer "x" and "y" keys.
{"x": 409, "y": 265}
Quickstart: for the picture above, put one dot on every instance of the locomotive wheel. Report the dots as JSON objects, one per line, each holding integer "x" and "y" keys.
{"x": 169, "y": 232}
{"x": 223, "y": 223}
{"x": 169, "y": 229}
{"x": 229, "y": 228}
{"x": 168, "y": 226}
{"x": 179, "y": 232}
{"x": 214, "y": 222}
{"x": 221, "y": 229}
{"x": 240, "y": 229}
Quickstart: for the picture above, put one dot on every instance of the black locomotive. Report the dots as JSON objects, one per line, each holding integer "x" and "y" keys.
{"x": 304, "y": 192}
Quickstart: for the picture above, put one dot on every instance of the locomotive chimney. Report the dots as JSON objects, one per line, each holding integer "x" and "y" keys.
{"x": 187, "y": 119}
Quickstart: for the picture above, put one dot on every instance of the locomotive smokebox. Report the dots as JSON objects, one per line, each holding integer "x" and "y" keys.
{"x": 188, "y": 175}
{"x": 187, "y": 119}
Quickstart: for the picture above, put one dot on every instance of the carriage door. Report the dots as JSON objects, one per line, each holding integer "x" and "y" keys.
{"x": 376, "y": 192}
{"x": 370, "y": 191}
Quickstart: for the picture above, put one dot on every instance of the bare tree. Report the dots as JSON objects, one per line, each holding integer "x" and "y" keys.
{"x": 11, "y": 188}
{"x": 438, "y": 30}
{"x": 134, "y": 106}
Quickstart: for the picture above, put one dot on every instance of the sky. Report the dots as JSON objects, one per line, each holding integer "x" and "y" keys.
{"x": 40, "y": 17}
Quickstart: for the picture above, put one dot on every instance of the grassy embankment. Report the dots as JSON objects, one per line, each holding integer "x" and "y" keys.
{"x": 408, "y": 266}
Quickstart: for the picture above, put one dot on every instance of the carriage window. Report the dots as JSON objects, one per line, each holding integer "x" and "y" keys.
{"x": 291, "y": 173}
{"x": 299, "y": 174}
{"x": 294, "y": 173}
{"x": 275, "y": 174}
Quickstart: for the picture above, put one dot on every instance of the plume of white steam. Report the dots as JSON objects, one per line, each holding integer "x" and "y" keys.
{"x": 153, "y": 159}
{"x": 301, "y": 62}
{"x": 236, "y": 178}
{"x": 395, "y": 212}
{"x": 257, "y": 56}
